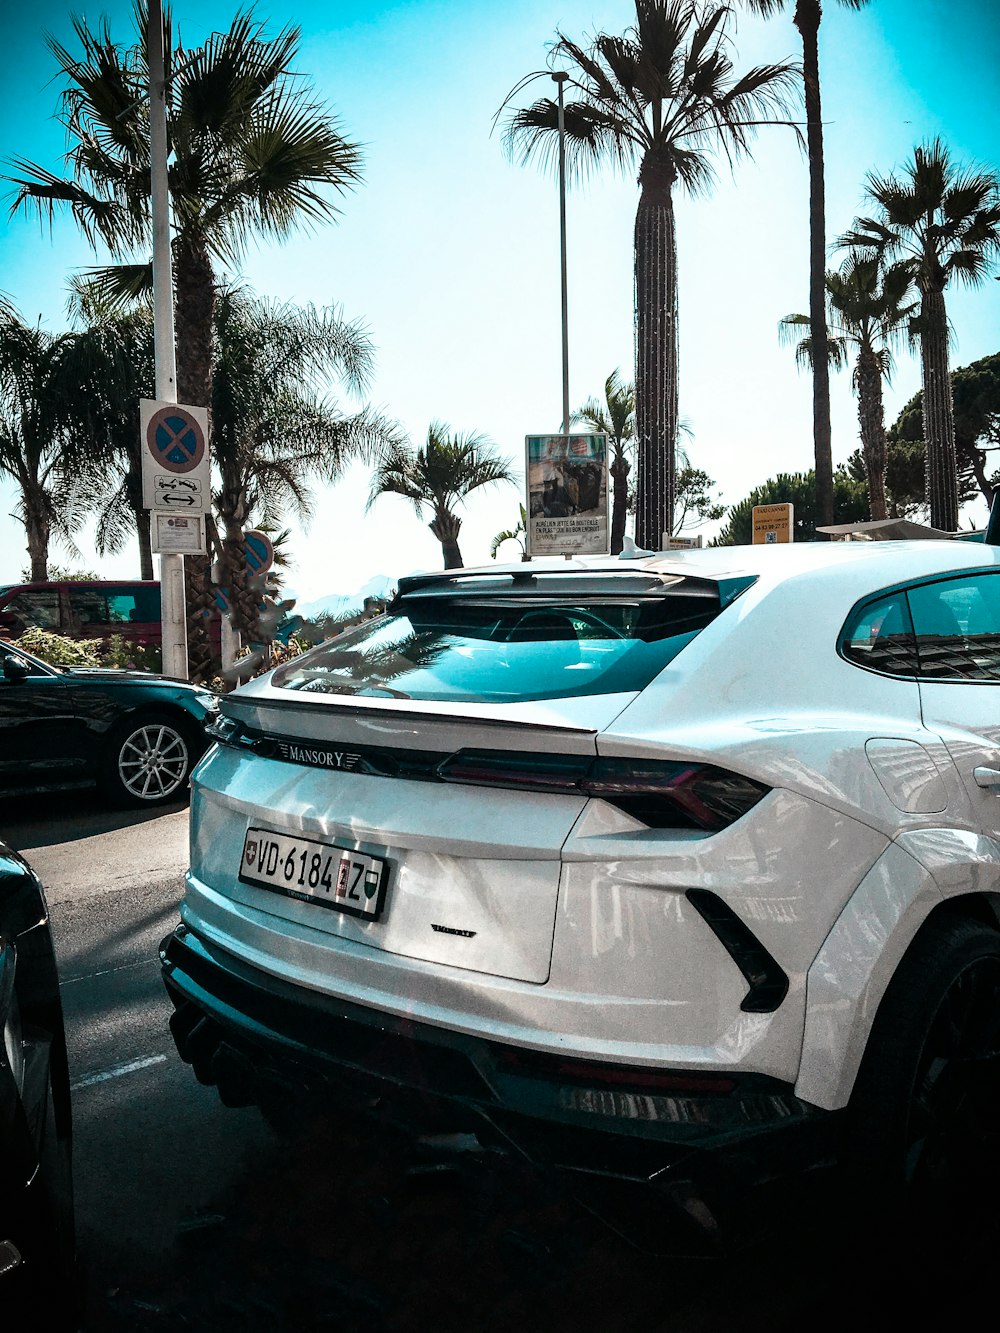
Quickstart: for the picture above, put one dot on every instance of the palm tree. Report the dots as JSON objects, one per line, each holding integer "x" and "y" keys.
{"x": 807, "y": 18}
{"x": 275, "y": 424}
{"x": 662, "y": 96}
{"x": 868, "y": 309}
{"x": 943, "y": 222}
{"x": 440, "y": 476}
{"x": 111, "y": 359}
{"x": 517, "y": 533}
{"x": 39, "y": 401}
{"x": 253, "y": 152}
{"x": 615, "y": 418}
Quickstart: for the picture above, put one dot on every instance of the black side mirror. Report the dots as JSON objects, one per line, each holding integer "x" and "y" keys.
{"x": 14, "y": 669}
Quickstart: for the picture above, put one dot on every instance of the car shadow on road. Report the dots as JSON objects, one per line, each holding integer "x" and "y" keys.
{"x": 66, "y": 816}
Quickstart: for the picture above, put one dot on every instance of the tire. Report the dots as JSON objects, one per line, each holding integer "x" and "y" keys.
{"x": 923, "y": 1122}
{"x": 148, "y": 760}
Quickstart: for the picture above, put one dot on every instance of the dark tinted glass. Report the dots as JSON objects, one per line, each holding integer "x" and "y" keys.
{"x": 505, "y": 649}
{"x": 879, "y": 635}
{"x": 957, "y": 626}
{"x": 39, "y": 607}
{"x": 130, "y": 606}
{"x": 88, "y": 606}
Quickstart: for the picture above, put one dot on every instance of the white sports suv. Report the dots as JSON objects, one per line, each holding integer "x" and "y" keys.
{"x": 682, "y": 869}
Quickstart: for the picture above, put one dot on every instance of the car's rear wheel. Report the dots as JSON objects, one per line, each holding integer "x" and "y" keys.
{"x": 923, "y": 1120}
{"x": 147, "y": 760}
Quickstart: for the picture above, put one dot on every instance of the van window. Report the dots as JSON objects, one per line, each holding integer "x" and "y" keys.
{"x": 133, "y": 605}
{"x": 38, "y": 607}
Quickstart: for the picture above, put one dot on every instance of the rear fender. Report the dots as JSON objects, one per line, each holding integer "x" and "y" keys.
{"x": 845, "y": 984}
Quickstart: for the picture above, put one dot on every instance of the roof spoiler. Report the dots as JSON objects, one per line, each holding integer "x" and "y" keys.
{"x": 992, "y": 535}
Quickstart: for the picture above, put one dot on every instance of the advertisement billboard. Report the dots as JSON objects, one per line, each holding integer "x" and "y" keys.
{"x": 567, "y": 495}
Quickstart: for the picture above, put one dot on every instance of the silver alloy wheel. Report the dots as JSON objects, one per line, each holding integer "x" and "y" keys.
{"x": 153, "y": 761}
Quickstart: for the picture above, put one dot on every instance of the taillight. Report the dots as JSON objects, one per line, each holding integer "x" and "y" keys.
{"x": 659, "y": 793}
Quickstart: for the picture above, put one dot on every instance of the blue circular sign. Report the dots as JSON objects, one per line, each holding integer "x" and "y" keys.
{"x": 175, "y": 439}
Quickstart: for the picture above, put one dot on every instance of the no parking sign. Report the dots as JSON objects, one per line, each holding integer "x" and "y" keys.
{"x": 176, "y": 473}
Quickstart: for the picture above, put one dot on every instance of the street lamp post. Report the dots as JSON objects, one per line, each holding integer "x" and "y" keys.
{"x": 172, "y": 593}
{"x": 560, "y": 77}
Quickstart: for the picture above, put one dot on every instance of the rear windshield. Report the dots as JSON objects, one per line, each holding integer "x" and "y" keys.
{"x": 507, "y": 649}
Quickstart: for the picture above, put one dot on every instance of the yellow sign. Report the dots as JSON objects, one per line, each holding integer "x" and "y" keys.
{"x": 773, "y": 523}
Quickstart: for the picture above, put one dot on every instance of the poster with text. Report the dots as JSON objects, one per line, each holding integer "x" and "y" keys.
{"x": 567, "y": 500}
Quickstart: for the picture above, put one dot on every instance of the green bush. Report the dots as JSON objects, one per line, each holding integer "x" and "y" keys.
{"x": 131, "y": 654}
{"x": 114, "y": 652}
{"x": 57, "y": 650}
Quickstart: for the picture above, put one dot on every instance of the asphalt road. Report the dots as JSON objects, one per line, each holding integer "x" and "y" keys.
{"x": 192, "y": 1216}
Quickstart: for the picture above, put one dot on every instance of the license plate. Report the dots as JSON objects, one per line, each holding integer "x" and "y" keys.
{"x": 315, "y": 872}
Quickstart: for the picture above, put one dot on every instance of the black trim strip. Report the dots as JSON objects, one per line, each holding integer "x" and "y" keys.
{"x": 768, "y": 983}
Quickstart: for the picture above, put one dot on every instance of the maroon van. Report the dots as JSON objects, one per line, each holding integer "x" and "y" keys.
{"x": 82, "y": 609}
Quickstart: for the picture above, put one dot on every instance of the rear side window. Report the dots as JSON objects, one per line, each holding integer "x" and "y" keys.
{"x": 506, "y": 649}
{"x": 133, "y": 605}
{"x": 945, "y": 630}
{"x": 114, "y": 605}
{"x": 957, "y": 626}
{"x": 879, "y": 635}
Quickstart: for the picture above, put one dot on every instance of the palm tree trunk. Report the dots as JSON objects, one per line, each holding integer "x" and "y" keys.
{"x": 142, "y": 527}
{"x": 619, "y": 500}
{"x": 808, "y": 15}
{"x": 871, "y": 419}
{"x": 655, "y": 353}
{"x": 195, "y": 288}
{"x": 141, "y": 518}
{"x": 446, "y": 527}
{"x": 939, "y": 421}
{"x": 38, "y": 530}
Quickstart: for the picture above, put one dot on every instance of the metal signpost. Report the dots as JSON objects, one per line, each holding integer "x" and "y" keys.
{"x": 173, "y": 599}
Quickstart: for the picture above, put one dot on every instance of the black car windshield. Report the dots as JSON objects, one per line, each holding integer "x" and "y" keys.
{"x": 506, "y": 649}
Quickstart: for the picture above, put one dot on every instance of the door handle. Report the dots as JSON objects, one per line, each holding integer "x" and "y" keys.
{"x": 986, "y": 777}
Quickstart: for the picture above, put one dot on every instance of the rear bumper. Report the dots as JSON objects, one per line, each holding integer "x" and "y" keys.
{"x": 707, "y": 1151}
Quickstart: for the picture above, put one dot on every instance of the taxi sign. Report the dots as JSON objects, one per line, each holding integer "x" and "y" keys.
{"x": 773, "y": 524}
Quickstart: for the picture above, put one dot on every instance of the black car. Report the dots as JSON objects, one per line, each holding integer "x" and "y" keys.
{"x": 135, "y": 734}
{"x": 37, "y": 1250}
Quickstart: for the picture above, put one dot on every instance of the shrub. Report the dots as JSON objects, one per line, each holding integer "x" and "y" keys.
{"x": 57, "y": 650}
{"x": 131, "y": 654}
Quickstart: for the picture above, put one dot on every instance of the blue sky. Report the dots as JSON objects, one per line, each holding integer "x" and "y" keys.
{"x": 449, "y": 253}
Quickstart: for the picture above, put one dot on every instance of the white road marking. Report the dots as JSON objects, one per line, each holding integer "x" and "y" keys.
{"x": 90, "y": 1079}
{"x": 108, "y": 971}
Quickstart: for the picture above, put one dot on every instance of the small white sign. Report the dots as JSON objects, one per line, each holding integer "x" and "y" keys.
{"x": 176, "y": 534}
{"x": 181, "y": 495}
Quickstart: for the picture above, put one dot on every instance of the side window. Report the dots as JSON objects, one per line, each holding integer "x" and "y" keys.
{"x": 40, "y": 607}
{"x": 147, "y": 604}
{"x": 879, "y": 635}
{"x": 121, "y": 606}
{"x": 133, "y": 605}
{"x": 957, "y": 626}
{"x": 87, "y": 606}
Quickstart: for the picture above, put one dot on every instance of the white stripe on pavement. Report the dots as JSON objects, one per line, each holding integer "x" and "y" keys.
{"x": 90, "y": 1079}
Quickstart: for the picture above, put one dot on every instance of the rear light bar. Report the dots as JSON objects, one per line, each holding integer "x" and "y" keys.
{"x": 659, "y": 793}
